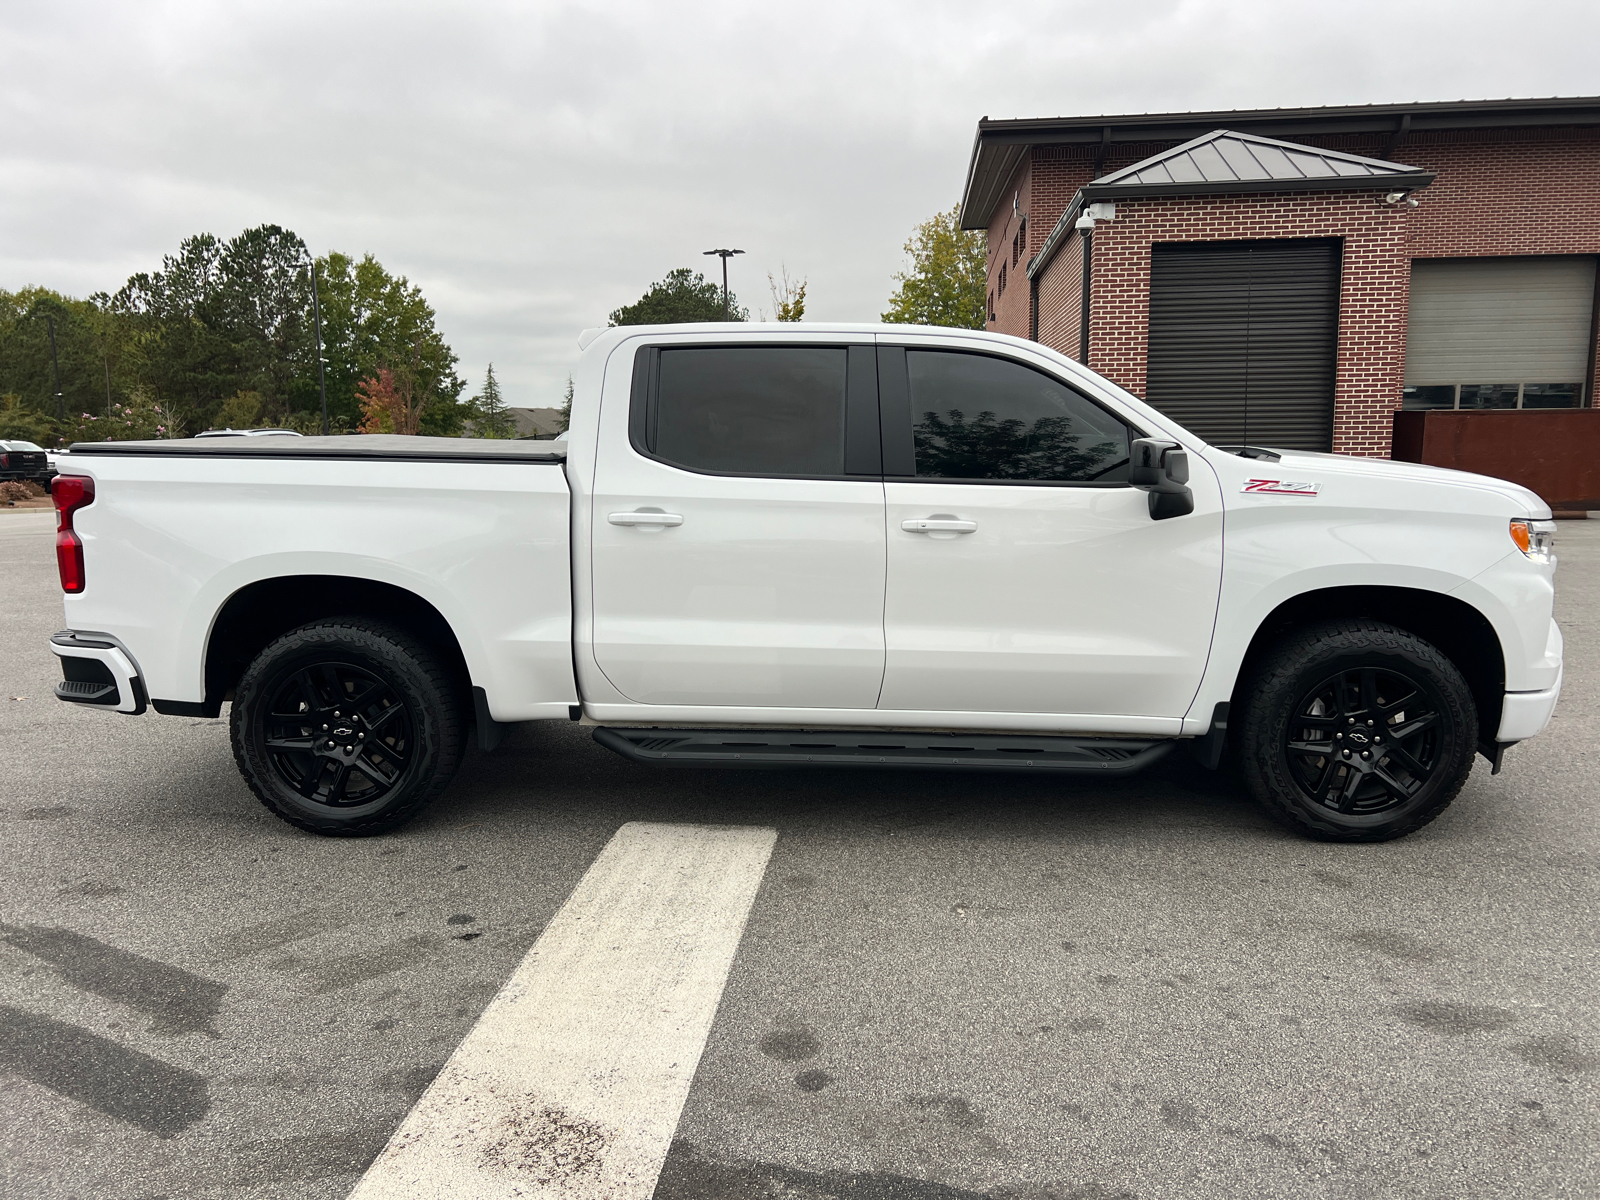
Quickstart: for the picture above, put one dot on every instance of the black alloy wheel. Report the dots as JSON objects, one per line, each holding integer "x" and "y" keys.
{"x": 347, "y": 727}
{"x": 1364, "y": 740}
{"x": 1355, "y": 731}
{"x": 337, "y": 733}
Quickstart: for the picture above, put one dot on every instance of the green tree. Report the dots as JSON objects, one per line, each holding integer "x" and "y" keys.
{"x": 566, "y": 407}
{"x": 788, "y": 298}
{"x": 490, "y": 417}
{"x": 88, "y": 348}
{"x": 18, "y": 423}
{"x": 946, "y": 281}
{"x": 373, "y": 320}
{"x": 224, "y": 317}
{"x": 221, "y": 318}
{"x": 684, "y": 295}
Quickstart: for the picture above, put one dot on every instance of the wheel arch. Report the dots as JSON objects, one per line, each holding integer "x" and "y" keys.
{"x": 259, "y": 612}
{"x": 1459, "y": 631}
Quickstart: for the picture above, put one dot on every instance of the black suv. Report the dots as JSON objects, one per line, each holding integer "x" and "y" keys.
{"x": 24, "y": 461}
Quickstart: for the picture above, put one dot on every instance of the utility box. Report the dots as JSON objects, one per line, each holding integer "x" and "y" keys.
{"x": 1556, "y": 452}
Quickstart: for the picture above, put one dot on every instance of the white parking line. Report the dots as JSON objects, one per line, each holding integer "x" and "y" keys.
{"x": 572, "y": 1081}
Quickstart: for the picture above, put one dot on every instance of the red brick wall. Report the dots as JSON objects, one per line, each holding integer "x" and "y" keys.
{"x": 1061, "y": 298}
{"x": 1529, "y": 191}
{"x": 1011, "y": 306}
{"x": 1373, "y": 290}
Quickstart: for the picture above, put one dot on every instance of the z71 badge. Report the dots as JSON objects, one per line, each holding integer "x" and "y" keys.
{"x": 1280, "y": 487}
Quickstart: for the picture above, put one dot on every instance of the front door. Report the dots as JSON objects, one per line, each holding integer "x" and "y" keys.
{"x": 738, "y": 548}
{"x": 1025, "y": 574}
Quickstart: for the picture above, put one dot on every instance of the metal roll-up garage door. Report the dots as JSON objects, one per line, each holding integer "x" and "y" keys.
{"x": 1243, "y": 337}
{"x": 1480, "y": 321}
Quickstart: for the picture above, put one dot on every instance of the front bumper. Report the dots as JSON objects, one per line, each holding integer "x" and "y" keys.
{"x": 1525, "y": 714}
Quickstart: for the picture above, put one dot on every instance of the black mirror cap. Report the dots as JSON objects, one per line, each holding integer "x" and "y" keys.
{"x": 1176, "y": 464}
{"x": 1162, "y": 469}
{"x": 1144, "y": 462}
{"x": 1153, "y": 463}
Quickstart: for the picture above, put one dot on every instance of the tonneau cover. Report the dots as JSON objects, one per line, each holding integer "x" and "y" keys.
{"x": 352, "y": 446}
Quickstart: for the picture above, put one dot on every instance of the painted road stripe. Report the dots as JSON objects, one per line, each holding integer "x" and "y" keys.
{"x": 572, "y": 1081}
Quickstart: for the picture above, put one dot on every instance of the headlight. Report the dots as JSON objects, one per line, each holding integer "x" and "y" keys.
{"x": 1536, "y": 539}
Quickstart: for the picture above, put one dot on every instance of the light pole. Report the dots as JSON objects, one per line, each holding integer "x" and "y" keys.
{"x": 316, "y": 317}
{"x": 724, "y": 255}
{"x": 55, "y": 363}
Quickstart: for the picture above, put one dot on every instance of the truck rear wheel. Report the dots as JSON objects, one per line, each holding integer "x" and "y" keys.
{"x": 1356, "y": 731}
{"x": 346, "y": 727}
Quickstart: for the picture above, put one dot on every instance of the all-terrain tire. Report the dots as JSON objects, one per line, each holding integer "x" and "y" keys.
{"x": 1346, "y": 681}
{"x": 347, "y": 727}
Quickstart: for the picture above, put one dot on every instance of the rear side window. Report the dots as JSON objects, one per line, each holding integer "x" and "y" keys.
{"x": 976, "y": 417}
{"x": 750, "y": 410}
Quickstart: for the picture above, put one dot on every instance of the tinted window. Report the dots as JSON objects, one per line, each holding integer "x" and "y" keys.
{"x": 985, "y": 418}
{"x": 760, "y": 410}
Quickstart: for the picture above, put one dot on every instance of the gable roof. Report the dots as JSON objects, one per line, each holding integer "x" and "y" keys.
{"x": 1225, "y": 161}
{"x": 999, "y": 146}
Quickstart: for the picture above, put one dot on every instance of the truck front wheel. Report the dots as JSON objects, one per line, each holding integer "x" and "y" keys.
{"x": 346, "y": 727}
{"x": 1356, "y": 731}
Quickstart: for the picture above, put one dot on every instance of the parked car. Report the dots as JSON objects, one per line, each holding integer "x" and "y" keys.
{"x": 828, "y": 545}
{"x": 25, "y": 462}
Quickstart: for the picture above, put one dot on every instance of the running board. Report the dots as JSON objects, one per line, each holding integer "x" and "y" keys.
{"x": 876, "y": 748}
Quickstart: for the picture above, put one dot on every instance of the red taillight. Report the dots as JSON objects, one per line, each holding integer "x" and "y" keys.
{"x": 70, "y": 492}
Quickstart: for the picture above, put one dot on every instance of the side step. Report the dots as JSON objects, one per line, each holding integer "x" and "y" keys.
{"x": 877, "y": 748}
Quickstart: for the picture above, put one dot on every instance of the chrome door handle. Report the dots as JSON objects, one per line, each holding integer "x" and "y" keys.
{"x": 645, "y": 518}
{"x": 939, "y": 525}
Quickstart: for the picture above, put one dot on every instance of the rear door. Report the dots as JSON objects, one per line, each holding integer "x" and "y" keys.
{"x": 738, "y": 546}
{"x": 1025, "y": 573}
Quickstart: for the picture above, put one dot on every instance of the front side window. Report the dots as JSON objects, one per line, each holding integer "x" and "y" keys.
{"x": 976, "y": 417}
{"x": 751, "y": 410}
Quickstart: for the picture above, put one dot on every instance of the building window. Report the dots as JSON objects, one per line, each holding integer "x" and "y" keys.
{"x": 991, "y": 304}
{"x": 1002, "y": 279}
{"x": 1476, "y": 397}
{"x": 1019, "y": 244}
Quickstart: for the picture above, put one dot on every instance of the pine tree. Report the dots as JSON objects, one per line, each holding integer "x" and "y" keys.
{"x": 566, "y": 407}
{"x": 492, "y": 419}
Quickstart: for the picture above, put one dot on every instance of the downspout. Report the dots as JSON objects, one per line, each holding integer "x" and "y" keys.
{"x": 1033, "y": 308}
{"x": 1086, "y": 229}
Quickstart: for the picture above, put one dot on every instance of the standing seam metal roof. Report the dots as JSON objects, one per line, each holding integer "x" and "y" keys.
{"x": 1224, "y": 157}
{"x": 1224, "y": 161}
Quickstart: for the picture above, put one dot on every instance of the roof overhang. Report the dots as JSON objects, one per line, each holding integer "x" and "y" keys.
{"x": 999, "y": 146}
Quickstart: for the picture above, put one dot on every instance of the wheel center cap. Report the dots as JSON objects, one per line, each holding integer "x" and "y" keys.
{"x": 344, "y": 731}
{"x": 1358, "y": 737}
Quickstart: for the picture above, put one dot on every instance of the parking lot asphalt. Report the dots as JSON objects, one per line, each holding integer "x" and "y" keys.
{"x": 950, "y": 985}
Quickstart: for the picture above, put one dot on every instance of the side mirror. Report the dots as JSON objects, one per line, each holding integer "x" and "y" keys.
{"x": 1162, "y": 469}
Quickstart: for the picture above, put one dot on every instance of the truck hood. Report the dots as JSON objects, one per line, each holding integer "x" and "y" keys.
{"x": 1386, "y": 468}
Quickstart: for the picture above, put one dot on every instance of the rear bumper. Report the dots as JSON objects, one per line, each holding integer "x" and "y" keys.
{"x": 1525, "y": 714}
{"x": 98, "y": 672}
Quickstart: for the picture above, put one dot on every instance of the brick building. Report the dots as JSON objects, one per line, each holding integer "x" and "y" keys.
{"x": 1294, "y": 277}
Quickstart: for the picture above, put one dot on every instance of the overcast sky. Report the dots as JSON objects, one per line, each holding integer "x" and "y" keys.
{"x": 533, "y": 166}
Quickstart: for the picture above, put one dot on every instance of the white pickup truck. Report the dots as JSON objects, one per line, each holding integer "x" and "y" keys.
{"x": 832, "y": 545}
